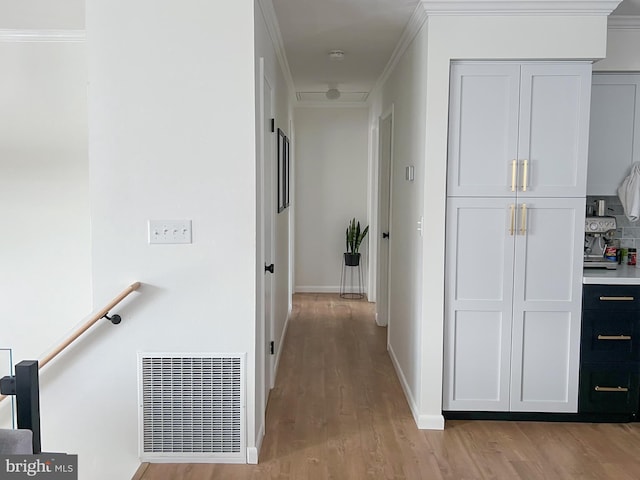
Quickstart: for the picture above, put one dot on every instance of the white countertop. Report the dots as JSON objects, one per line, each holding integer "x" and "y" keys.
{"x": 623, "y": 275}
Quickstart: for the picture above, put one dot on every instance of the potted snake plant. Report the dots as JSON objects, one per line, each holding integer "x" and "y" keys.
{"x": 354, "y": 237}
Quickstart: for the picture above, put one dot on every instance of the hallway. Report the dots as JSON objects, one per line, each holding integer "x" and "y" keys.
{"x": 338, "y": 412}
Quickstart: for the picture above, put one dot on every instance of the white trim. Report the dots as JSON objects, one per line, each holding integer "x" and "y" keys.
{"x": 252, "y": 455}
{"x": 520, "y": 7}
{"x": 423, "y": 422}
{"x": 410, "y": 31}
{"x": 431, "y": 422}
{"x": 317, "y": 289}
{"x": 49, "y": 36}
{"x": 273, "y": 28}
{"x": 329, "y": 289}
{"x": 624, "y": 22}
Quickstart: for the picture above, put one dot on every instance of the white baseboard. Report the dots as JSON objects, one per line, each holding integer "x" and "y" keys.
{"x": 325, "y": 289}
{"x": 279, "y": 352}
{"x": 430, "y": 422}
{"x": 423, "y": 422}
{"x": 252, "y": 455}
{"x": 317, "y": 289}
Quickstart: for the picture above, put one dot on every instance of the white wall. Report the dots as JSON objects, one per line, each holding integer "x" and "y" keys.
{"x": 170, "y": 138}
{"x": 623, "y": 53}
{"x": 45, "y": 253}
{"x": 331, "y": 189}
{"x": 404, "y": 92}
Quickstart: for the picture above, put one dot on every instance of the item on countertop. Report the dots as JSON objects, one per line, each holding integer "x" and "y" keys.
{"x": 624, "y": 255}
{"x": 610, "y": 253}
{"x": 632, "y": 256}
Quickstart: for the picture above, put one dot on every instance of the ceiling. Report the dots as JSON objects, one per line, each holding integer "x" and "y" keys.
{"x": 366, "y": 30}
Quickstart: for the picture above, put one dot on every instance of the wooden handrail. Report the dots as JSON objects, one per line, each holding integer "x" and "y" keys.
{"x": 97, "y": 316}
{"x": 131, "y": 288}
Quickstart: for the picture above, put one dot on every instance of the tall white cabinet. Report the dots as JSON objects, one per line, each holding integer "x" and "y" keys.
{"x": 518, "y": 138}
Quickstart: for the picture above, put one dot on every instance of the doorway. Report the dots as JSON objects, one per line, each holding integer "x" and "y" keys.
{"x": 385, "y": 149}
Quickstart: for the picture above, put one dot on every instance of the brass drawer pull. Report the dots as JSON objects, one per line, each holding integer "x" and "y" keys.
{"x": 614, "y": 337}
{"x": 611, "y": 389}
{"x": 621, "y": 299}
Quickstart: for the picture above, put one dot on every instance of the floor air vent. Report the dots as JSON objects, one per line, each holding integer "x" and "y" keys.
{"x": 192, "y": 408}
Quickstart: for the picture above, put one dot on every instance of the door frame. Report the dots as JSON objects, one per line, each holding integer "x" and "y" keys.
{"x": 265, "y": 361}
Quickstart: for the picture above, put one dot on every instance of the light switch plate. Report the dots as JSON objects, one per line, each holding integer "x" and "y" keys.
{"x": 169, "y": 231}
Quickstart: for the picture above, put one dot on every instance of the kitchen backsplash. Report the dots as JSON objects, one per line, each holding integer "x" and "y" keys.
{"x": 627, "y": 232}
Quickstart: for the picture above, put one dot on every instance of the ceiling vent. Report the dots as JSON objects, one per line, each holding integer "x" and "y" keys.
{"x": 332, "y": 94}
{"x": 345, "y": 97}
{"x": 336, "y": 55}
{"x": 192, "y": 408}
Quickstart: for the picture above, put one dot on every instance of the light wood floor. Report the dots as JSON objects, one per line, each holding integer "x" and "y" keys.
{"x": 338, "y": 412}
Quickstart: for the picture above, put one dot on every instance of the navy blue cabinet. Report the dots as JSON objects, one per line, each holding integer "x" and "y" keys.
{"x": 610, "y": 350}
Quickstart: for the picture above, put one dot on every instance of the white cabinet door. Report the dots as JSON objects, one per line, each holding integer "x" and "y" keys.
{"x": 513, "y": 304}
{"x": 547, "y": 305}
{"x": 614, "y": 135}
{"x": 554, "y": 129}
{"x": 518, "y": 129}
{"x": 479, "y": 284}
{"x": 483, "y": 128}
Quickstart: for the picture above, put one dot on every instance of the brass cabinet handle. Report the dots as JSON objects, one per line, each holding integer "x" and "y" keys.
{"x": 614, "y": 337}
{"x": 525, "y": 175}
{"x": 614, "y": 299}
{"x": 611, "y": 389}
{"x": 514, "y": 170}
{"x": 512, "y": 225}
{"x": 523, "y": 220}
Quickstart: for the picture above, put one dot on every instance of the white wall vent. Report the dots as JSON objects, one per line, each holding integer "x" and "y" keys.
{"x": 192, "y": 408}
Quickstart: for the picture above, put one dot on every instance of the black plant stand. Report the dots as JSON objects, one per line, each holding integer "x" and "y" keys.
{"x": 351, "y": 274}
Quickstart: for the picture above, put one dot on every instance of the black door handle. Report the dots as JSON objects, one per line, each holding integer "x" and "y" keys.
{"x": 268, "y": 268}
{"x": 385, "y": 234}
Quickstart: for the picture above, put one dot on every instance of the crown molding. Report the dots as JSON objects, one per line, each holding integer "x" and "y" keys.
{"x": 410, "y": 31}
{"x": 46, "y": 36}
{"x": 273, "y": 28}
{"x": 624, "y": 22}
{"x": 520, "y": 7}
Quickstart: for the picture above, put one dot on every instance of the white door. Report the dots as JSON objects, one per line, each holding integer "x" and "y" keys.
{"x": 478, "y": 311}
{"x": 547, "y": 305}
{"x": 554, "y": 129}
{"x": 268, "y": 177}
{"x": 384, "y": 209}
{"x": 483, "y": 129}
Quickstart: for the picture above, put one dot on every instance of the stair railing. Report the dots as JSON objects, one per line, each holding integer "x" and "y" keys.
{"x": 25, "y": 383}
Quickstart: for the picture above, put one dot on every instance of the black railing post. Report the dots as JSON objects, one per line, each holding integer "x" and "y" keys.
{"x": 28, "y": 399}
